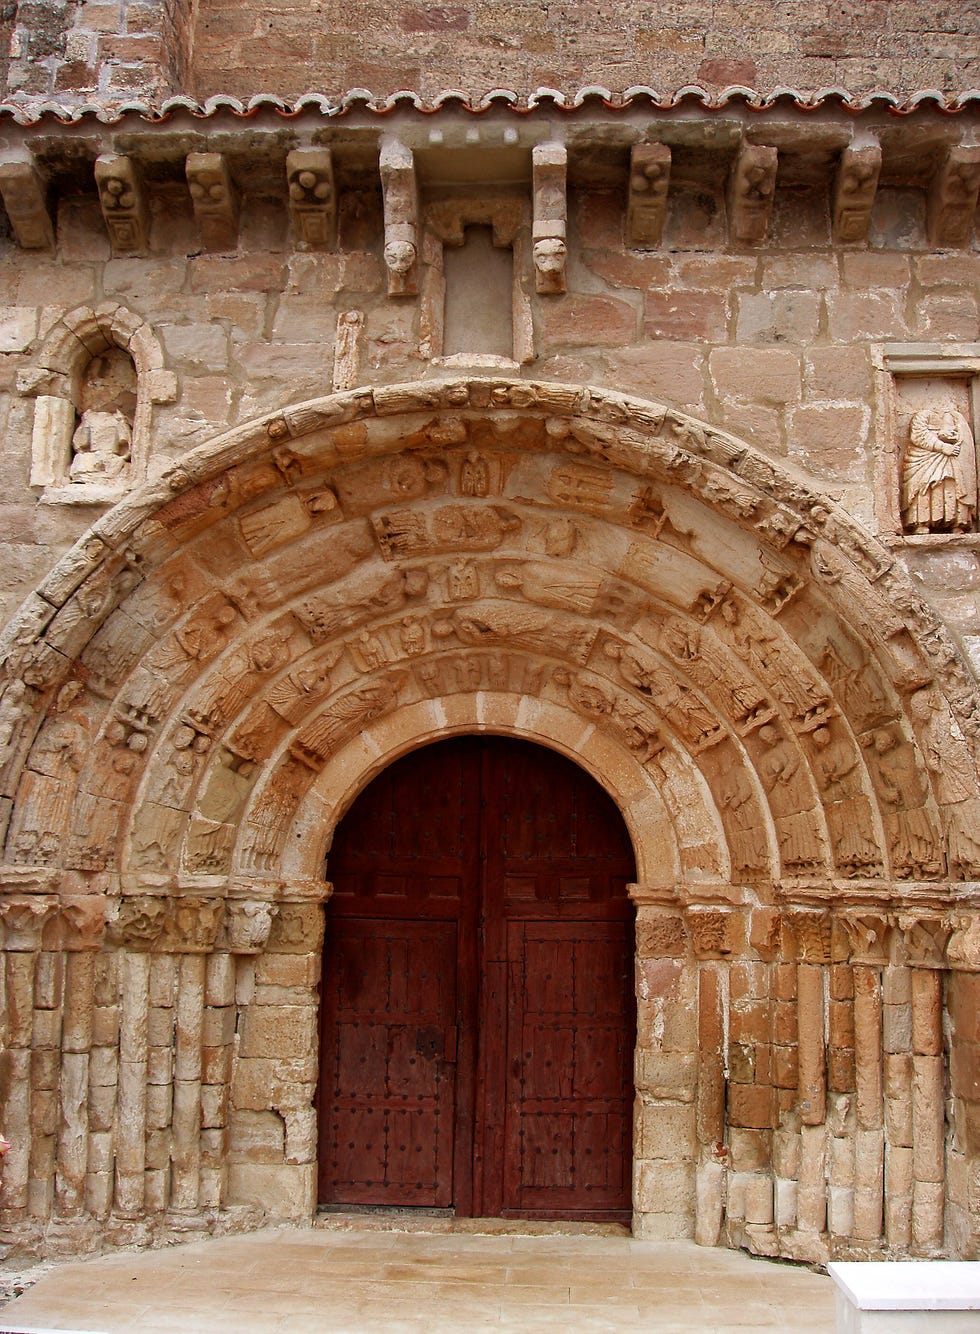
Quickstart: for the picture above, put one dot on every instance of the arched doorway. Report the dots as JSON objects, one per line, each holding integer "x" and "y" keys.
{"x": 478, "y": 999}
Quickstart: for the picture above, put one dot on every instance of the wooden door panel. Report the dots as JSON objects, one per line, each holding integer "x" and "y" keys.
{"x": 568, "y": 1101}
{"x": 480, "y": 908}
{"x": 389, "y": 993}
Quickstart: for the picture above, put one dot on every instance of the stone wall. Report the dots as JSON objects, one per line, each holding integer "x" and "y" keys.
{"x": 290, "y": 48}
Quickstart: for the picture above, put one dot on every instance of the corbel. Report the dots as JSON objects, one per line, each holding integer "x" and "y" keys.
{"x": 312, "y": 197}
{"x": 25, "y": 199}
{"x": 646, "y": 207}
{"x": 401, "y": 205}
{"x": 751, "y": 190}
{"x": 855, "y": 186}
{"x": 215, "y": 200}
{"x": 952, "y": 199}
{"x": 124, "y": 203}
{"x": 549, "y": 163}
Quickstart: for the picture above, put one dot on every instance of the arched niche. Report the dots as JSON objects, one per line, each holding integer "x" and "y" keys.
{"x": 94, "y": 382}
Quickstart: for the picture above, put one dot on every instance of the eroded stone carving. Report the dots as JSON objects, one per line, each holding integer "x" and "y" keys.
{"x": 646, "y": 208}
{"x": 939, "y": 472}
{"x": 957, "y": 789}
{"x": 952, "y": 198}
{"x": 550, "y": 208}
{"x": 312, "y": 197}
{"x": 25, "y": 200}
{"x": 401, "y": 207}
{"x": 123, "y": 201}
{"x": 101, "y": 445}
{"x": 855, "y": 186}
{"x": 751, "y": 191}
{"x": 215, "y": 199}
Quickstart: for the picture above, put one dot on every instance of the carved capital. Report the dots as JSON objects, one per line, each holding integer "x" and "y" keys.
{"x": 138, "y": 922}
{"x": 123, "y": 201}
{"x": 646, "y": 207}
{"x": 861, "y": 938}
{"x": 855, "y": 186}
{"x": 192, "y": 924}
{"x": 809, "y": 932}
{"x": 248, "y": 923}
{"x": 963, "y": 946}
{"x": 215, "y": 199}
{"x": 715, "y": 932}
{"x": 312, "y": 197}
{"x": 751, "y": 190}
{"x": 924, "y": 938}
{"x": 24, "y": 918}
{"x": 25, "y": 199}
{"x": 84, "y": 918}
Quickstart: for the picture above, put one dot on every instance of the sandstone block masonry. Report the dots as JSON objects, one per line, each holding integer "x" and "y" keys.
{"x": 641, "y": 430}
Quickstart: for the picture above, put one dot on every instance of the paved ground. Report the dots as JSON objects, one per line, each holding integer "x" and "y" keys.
{"x": 358, "y": 1279}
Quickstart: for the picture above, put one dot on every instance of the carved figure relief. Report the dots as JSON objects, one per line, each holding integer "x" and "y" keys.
{"x": 450, "y": 528}
{"x": 956, "y": 784}
{"x": 939, "y": 473}
{"x": 902, "y": 788}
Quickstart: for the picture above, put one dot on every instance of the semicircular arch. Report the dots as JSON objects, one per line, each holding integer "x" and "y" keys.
{"x": 206, "y": 663}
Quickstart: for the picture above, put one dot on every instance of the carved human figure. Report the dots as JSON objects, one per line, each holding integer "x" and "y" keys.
{"x": 956, "y": 783}
{"x": 14, "y": 708}
{"x": 101, "y": 445}
{"x": 474, "y": 477}
{"x": 939, "y": 472}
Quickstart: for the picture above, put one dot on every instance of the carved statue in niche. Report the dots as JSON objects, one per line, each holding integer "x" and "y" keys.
{"x": 102, "y": 440}
{"x": 939, "y": 473}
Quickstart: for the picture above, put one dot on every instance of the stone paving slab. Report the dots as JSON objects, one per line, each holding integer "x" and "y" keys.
{"x": 333, "y": 1280}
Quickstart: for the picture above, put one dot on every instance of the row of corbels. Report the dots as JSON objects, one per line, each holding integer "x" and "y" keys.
{"x": 312, "y": 195}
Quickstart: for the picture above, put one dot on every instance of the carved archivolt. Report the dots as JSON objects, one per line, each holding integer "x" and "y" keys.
{"x": 200, "y": 688}
{"x": 94, "y": 383}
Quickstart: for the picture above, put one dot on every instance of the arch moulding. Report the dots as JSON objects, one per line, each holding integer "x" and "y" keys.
{"x": 196, "y": 693}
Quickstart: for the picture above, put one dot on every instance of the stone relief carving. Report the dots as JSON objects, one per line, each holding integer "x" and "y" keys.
{"x": 855, "y": 187}
{"x": 215, "y": 199}
{"x": 751, "y": 191}
{"x": 549, "y": 162}
{"x": 939, "y": 473}
{"x": 401, "y": 210}
{"x": 312, "y": 197}
{"x": 124, "y": 203}
{"x": 957, "y": 789}
{"x": 901, "y": 787}
{"x": 649, "y": 183}
{"x": 449, "y": 528}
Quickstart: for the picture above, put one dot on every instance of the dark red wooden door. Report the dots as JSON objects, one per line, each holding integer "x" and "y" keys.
{"x": 478, "y": 1013}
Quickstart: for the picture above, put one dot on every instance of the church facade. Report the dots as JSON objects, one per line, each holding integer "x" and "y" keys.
{"x": 631, "y": 427}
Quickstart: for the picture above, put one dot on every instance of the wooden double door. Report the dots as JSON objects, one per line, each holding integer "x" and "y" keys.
{"x": 478, "y": 998}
